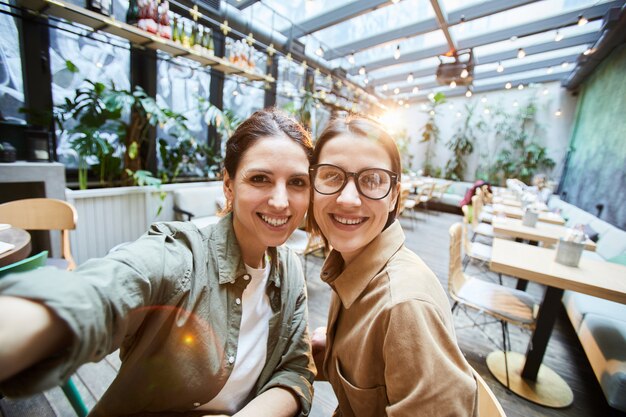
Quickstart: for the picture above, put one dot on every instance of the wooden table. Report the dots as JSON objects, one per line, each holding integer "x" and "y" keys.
{"x": 518, "y": 213}
{"x": 507, "y": 202}
{"x": 542, "y": 232}
{"x": 18, "y": 237}
{"x": 528, "y": 377}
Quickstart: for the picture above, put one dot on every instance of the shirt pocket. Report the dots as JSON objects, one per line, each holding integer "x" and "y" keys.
{"x": 364, "y": 402}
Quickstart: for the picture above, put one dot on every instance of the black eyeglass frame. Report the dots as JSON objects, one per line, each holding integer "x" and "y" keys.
{"x": 313, "y": 169}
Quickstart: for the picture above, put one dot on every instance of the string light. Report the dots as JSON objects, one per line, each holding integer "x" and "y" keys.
{"x": 521, "y": 53}
{"x": 319, "y": 51}
{"x": 362, "y": 70}
{"x": 396, "y": 54}
{"x": 589, "y": 51}
{"x": 508, "y": 86}
{"x": 515, "y": 104}
{"x": 549, "y": 70}
{"x": 558, "y": 113}
{"x": 415, "y": 89}
{"x": 453, "y": 84}
{"x": 545, "y": 91}
{"x": 565, "y": 64}
{"x": 558, "y": 37}
{"x": 468, "y": 93}
{"x": 385, "y": 87}
{"x": 520, "y": 87}
{"x": 351, "y": 59}
{"x": 464, "y": 73}
{"x": 483, "y": 99}
{"x": 500, "y": 67}
{"x": 410, "y": 77}
{"x": 582, "y": 20}
{"x": 396, "y": 90}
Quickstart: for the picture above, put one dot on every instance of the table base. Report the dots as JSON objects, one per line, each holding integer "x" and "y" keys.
{"x": 549, "y": 390}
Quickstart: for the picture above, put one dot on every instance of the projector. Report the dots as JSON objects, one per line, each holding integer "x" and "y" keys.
{"x": 462, "y": 73}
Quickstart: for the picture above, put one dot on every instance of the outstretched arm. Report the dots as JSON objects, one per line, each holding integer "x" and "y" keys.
{"x": 29, "y": 332}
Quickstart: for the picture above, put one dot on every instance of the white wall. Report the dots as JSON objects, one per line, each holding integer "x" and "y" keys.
{"x": 450, "y": 115}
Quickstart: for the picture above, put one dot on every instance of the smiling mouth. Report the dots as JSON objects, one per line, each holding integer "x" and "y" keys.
{"x": 274, "y": 221}
{"x": 349, "y": 221}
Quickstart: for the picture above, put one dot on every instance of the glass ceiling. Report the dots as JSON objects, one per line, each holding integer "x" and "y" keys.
{"x": 395, "y": 38}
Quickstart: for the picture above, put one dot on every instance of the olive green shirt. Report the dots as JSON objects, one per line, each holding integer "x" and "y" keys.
{"x": 170, "y": 302}
{"x": 391, "y": 347}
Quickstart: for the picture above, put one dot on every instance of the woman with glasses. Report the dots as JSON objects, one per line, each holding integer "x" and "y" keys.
{"x": 390, "y": 347}
{"x": 211, "y": 321}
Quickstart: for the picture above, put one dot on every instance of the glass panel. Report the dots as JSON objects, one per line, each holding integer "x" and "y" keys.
{"x": 518, "y": 16}
{"x": 11, "y": 83}
{"x": 515, "y": 79}
{"x": 98, "y": 58}
{"x": 378, "y": 21}
{"x": 512, "y": 63}
{"x": 242, "y": 98}
{"x": 290, "y": 84}
{"x": 452, "y": 5}
{"x": 540, "y": 38}
{"x": 296, "y": 11}
{"x": 416, "y": 43}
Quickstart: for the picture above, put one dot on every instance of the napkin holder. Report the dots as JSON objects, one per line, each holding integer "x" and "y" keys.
{"x": 568, "y": 252}
{"x": 530, "y": 218}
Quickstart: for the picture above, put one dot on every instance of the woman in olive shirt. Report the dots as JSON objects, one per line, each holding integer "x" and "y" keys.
{"x": 211, "y": 320}
{"x": 390, "y": 347}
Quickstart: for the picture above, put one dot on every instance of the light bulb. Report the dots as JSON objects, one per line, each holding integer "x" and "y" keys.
{"x": 351, "y": 59}
{"x": 432, "y": 112}
{"x": 362, "y": 71}
{"x": 582, "y": 20}
{"x": 508, "y": 86}
{"x": 319, "y": 51}
{"x": 396, "y": 54}
{"x": 558, "y": 113}
{"x": 520, "y": 87}
{"x": 401, "y": 102}
{"x": 464, "y": 73}
{"x": 410, "y": 77}
{"x": 521, "y": 53}
{"x": 385, "y": 87}
{"x": 415, "y": 90}
{"x": 500, "y": 67}
{"x": 515, "y": 103}
{"x": 558, "y": 36}
{"x": 545, "y": 91}
{"x": 565, "y": 64}
{"x": 483, "y": 99}
{"x": 468, "y": 93}
{"x": 589, "y": 51}
{"x": 549, "y": 70}
{"x": 458, "y": 114}
{"x": 453, "y": 84}
{"x": 396, "y": 90}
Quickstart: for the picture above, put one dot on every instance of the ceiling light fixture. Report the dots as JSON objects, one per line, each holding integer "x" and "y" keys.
{"x": 521, "y": 53}
{"x": 508, "y": 86}
{"x": 396, "y": 54}
{"x": 362, "y": 70}
{"x": 558, "y": 37}
{"x": 582, "y": 20}
{"x": 410, "y": 77}
{"x": 500, "y": 67}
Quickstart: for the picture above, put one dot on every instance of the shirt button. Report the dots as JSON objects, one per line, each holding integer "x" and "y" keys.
{"x": 246, "y": 277}
{"x": 197, "y": 404}
{"x": 231, "y": 359}
{"x": 238, "y": 301}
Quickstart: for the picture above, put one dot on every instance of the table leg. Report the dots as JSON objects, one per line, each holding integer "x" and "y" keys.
{"x": 521, "y": 284}
{"x": 545, "y": 322}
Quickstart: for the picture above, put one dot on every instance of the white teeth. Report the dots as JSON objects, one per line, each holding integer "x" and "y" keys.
{"x": 273, "y": 221}
{"x": 343, "y": 220}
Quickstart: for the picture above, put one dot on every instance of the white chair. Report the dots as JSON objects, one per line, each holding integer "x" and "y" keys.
{"x": 505, "y": 304}
{"x": 488, "y": 404}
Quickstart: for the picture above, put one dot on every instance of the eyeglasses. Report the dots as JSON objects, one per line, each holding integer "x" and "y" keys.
{"x": 373, "y": 183}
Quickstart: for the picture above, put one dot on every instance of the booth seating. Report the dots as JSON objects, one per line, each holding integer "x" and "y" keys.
{"x": 200, "y": 205}
{"x": 450, "y": 200}
{"x": 600, "y": 324}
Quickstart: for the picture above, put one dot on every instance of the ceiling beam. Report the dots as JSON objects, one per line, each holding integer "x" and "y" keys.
{"x": 429, "y": 25}
{"x": 556, "y": 22}
{"x": 242, "y": 4}
{"x": 405, "y": 58}
{"x": 333, "y": 17}
{"x": 442, "y": 22}
{"x": 588, "y": 38}
{"x": 490, "y": 87}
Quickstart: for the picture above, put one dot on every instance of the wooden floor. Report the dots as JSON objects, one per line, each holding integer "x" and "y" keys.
{"x": 428, "y": 237}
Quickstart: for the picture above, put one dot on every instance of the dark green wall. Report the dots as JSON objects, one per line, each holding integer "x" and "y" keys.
{"x": 596, "y": 172}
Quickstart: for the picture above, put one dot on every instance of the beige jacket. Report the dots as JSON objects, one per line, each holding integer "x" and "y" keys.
{"x": 391, "y": 347}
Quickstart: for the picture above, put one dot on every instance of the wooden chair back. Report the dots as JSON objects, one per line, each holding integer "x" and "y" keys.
{"x": 43, "y": 214}
{"x": 488, "y": 404}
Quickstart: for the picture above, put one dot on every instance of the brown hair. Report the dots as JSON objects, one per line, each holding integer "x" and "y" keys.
{"x": 365, "y": 128}
{"x": 263, "y": 123}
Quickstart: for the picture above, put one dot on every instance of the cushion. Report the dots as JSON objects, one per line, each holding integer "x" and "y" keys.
{"x": 200, "y": 201}
{"x": 579, "y": 305}
{"x": 591, "y": 234}
{"x": 604, "y": 342}
{"x": 612, "y": 243}
{"x": 619, "y": 259}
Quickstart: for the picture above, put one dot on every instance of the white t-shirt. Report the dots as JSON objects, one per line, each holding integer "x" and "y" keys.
{"x": 252, "y": 345}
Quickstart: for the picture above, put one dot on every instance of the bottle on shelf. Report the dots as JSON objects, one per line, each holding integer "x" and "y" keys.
{"x": 184, "y": 37}
{"x": 132, "y": 14}
{"x": 175, "y": 29}
{"x": 104, "y": 7}
{"x": 193, "y": 39}
{"x": 165, "y": 30}
{"x": 148, "y": 16}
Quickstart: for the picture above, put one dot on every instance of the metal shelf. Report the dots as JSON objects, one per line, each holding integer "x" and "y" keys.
{"x": 105, "y": 24}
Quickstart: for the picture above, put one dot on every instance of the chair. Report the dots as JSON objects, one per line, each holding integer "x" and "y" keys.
{"x": 440, "y": 190}
{"x": 473, "y": 250}
{"x": 424, "y": 195}
{"x": 478, "y": 227}
{"x": 505, "y": 304}
{"x": 28, "y": 264}
{"x": 478, "y": 206}
{"x": 488, "y": 404}
{"x": 44, "y": 214}
{"x": 305, "y": 244}
{"x": 406, "y": 203}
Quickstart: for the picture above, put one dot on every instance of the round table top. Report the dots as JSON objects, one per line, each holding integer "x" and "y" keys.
{"x": 18, "y": 237}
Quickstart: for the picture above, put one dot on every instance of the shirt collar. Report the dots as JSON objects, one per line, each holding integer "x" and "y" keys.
{"x": 223, "y": 243}
{"x": 350, "y": 281}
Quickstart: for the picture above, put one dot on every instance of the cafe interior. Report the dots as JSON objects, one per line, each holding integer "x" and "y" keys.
{"x": 509, "y": 116}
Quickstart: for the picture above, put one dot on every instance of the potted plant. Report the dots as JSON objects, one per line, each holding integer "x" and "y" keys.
{"x": 462, "y": 144}
{"x": 430, "y": 133}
